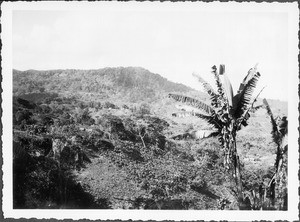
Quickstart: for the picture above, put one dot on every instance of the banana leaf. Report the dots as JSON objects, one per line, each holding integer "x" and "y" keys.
{"x": 274, "y": 132}
{"x": 192, "y": 102}
{"x": 227, "y": 85}
{"x": 242, "y": 100}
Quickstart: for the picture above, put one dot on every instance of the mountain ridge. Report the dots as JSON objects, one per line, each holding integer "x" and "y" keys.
{"x": 134, "y": 83}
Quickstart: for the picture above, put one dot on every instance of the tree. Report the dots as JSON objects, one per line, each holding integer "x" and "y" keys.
{"x": 278, "y": 183}
{"x": 140, "y": 128}
{"x": 227, "y": 113}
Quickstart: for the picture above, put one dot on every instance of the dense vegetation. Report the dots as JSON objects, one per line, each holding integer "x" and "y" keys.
{"x": 89, "y": 139}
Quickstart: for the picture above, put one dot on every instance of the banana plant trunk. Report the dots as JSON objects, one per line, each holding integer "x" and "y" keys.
{"x": 237, "y": 172}
{"x": 235, "y": 166}
{"x": 281, "y": 177}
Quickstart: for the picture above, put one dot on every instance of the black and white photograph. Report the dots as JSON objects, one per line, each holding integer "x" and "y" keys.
{"x": 150, "y": 110}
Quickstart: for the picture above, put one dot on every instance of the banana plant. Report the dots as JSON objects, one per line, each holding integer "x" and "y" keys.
{"x": 227, "y": 113}
{"x": 278, "y": 183}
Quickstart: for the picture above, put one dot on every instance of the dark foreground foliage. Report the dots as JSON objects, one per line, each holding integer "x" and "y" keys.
{"x": 52, "y": 149}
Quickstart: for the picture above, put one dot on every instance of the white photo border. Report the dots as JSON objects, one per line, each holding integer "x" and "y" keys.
{"x": 293, "y": 162}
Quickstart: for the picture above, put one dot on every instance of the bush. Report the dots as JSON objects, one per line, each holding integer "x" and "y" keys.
{"x": 23, "y": 116}
{"x": 109, "y": 105}
{"x": 144, "y": 109}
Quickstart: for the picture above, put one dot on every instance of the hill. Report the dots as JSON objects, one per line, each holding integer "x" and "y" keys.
{"x": 130, "y": 84}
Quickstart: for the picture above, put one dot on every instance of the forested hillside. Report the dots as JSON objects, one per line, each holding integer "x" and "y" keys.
{"x": 107, "y": 139}
{"x": 131, "y": 84}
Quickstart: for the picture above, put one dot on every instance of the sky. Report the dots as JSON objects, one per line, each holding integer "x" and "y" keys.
{"x": 171, "y": 41}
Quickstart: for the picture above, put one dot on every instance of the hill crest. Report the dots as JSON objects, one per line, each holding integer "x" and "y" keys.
{"x": 128, "y": 83}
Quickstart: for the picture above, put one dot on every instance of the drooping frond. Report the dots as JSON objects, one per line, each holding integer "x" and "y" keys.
{"x": 242, "y": 100}
{"x": 208, "y": 88}
{"x": 192, "y": 102}
{"x": 201, "y": 134}
{"x": 274, "y": 132}
{"x": 214, "y": 97}
{"x": 212, "y": 119}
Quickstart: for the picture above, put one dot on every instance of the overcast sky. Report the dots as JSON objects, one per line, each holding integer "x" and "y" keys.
{"x": 173, "y": 42}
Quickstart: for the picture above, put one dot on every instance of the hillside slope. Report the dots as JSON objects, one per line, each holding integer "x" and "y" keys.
{"x": 130, "y": 84}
